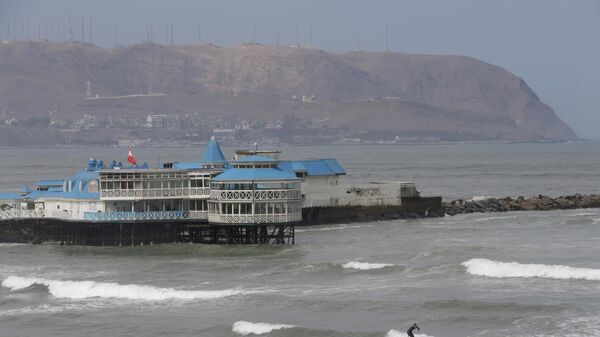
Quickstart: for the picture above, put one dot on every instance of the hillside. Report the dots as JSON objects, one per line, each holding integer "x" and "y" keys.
{"x": 356, "y": 95}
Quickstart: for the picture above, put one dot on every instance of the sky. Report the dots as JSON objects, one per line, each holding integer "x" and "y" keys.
{"x": 554, "y": 45}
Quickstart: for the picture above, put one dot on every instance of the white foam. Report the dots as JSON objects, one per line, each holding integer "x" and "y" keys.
{"x": 480, "y": 198}
{"x": 396, "y": 333}
{"x": 246, "y": 328}
{"x": 335, "y": 228}
{"x": 88, "y": 289}
{"x": 581, "y": 214}
{"x": 365, "y": 265}
{"x": 13, "y": 244}
{"x": 490, "y": 268}
{"x": 495, "y": 218}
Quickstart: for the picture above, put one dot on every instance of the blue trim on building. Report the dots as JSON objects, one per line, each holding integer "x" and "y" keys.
{"x": 10, "y": 196}
{"x": 251, "y": 174}
{"x": 187, "y": 165}
{"x": 255, "y": 159}
{"x": 49, "y": 183}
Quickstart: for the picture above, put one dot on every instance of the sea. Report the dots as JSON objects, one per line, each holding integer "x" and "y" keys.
{"x": 497, "y": 274}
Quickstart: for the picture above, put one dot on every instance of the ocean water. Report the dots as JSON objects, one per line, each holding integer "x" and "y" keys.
{"x": 502, "y": 274}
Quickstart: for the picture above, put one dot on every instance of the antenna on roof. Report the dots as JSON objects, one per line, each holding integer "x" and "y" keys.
{"x": 166, "y": 34}
{"x": 82, "y": 30}
{"x": 151, "y": 33}
{"x": 311, "y": 36}
{"x": 199, "y": 32}
{"x": 386, "y": 38}
{"x": 91, "y": 35}
{"x": 70, "y": 28}
{"x": 277, "y": 41}
{"x": 296, "y": 34}
{"x": 171, "y": 33}
{"x": 117, "y": 35}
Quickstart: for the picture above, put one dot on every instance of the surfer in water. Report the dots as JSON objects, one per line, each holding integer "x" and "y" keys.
{"x": 411, "y": 329}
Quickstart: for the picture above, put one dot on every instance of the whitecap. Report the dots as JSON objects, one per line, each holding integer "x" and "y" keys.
{"x": 491, "y": 268}
{"x": 365, "y": 265}
{"x": 495, "y": 218}
{"x": 246, "y": 328}
{"x": 480, "y": 198}
{"x": 89, "y": 289}
{"x": 396, "y": 333}
{"x": 6, "y": 244}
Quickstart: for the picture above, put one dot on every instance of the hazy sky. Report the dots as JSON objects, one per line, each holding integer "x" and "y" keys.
{"x": 553, "y": 44}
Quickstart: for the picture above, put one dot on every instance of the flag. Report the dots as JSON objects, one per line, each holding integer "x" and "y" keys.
{"x": 130, "y": 158}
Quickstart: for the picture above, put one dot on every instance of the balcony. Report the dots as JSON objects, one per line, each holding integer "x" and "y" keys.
{"x": 21, "y": 214}
{"x": 254, "y": 218}
{"x": 258, "y": 195}
{"x": 155, "y": 193}
{"x": 144, "y": 216}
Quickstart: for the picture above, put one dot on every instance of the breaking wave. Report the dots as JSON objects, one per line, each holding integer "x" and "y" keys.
{"x": 88, "y": 289}
{"x": 494, "y": 218}
{"x": 246, "y": 328}
{"x": 490, "y": 268}
{"x": 365, "y": 265}
{"x": 480, "y": 198}
{"x": 396, "y": 333}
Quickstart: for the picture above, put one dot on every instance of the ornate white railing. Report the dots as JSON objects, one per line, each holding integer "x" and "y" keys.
{"x": 158, "y": 193}
{"x": 258, "y": 195}
{"x": 254, "y": 219}
{"x": 197, "y": 215}
{"x": 133, "y": 216}
{"x": 21, "y": 214}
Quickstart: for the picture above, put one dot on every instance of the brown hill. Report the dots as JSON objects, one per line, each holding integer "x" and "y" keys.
{"x": 359, "y": 93}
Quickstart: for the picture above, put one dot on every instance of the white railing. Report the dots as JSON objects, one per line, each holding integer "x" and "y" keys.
{"x": 144, "y": 216}
{"x": 197, "y": 215}
{"x": 258, "y": 195}
{"x": 133, "y": 216}
{"x": 155, "y": 193}
{"x": 254, "y": 219}
{"x": 21, "y": 214}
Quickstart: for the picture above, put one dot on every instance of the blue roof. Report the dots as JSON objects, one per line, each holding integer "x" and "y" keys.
{"x": 251, "y": 174}
{"x": 82, "y": 177}
{"x": 334, "y": 166}
{"x": 66, "y": 195}
{"x": 254, "y": 159}
{"x": 9, "y": 196}
{"x": 50, "y": 183}
{"x": 213, "y": 153}
{"x": 187, "y": 165}
{"x": 314, "y": 167}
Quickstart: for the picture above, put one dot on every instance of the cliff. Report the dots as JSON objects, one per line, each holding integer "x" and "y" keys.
{"x": 356, "y": 94}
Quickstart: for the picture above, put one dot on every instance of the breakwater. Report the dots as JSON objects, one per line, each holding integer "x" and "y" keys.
{"x": 509, "y": 204}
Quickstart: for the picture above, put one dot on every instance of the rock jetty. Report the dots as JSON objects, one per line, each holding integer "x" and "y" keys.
{"x": 508, "y": 204}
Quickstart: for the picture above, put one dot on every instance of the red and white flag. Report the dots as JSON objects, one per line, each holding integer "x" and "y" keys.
{"x": 130, "y": 158}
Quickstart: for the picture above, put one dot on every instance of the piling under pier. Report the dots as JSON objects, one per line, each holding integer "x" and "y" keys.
{"x": 117, "y": 234}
